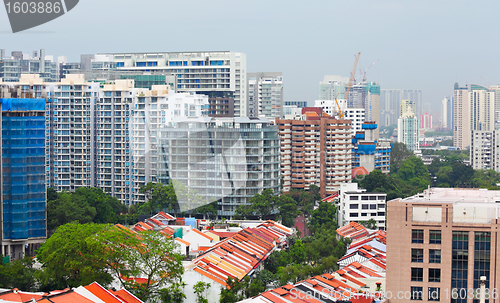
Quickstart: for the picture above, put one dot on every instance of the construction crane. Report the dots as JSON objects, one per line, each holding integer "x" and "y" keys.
{"x": 346, "y": 96}
{"x": 366, "y": 69}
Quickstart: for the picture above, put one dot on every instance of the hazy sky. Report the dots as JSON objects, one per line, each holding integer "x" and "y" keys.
{"x": 426, "y": 45}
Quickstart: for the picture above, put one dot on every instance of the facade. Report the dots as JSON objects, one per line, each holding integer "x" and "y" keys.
{"x": 315, "y": 150}
{"x": 371, "y": 152}
{"x": 414, "y": 95}
{"x": 219, "y": 159}
{"x": 332, "y": 86}
{"x": 440, "y": 243}
{"x": 265, "y": 95}
{"x": 220, "y": 75}
{"x": 408, "y": 132}
{"x": 461, "y": 117}
{"x": 291, "y": 111}
{"x": 357, "y": 205}
{"x": 425, "y": 121}
{"x": 447, "y": 113}
{"x": 23, "y": 216}
{"x": 356, "y": 115}
{"x": 484, "y": 151}
{"x": 12, "y": 67}
{"x": 299, "y": 104}
{"x": 390, "y": 104}
{"x": 408, "y": 108}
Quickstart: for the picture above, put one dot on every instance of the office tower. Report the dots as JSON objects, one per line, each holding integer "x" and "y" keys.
{"x": 440, "y": 243}
{"x": 356, "y": 205}
{"x": 332, "y": 86}
{"x": 222, "y": 76}
{"x": 446, "y": 113}
{"x": 265, "y": 95}
{"x": 315, "y": 150}
{"x": 12, "y": 68}
{"x": 414, "y": 95}
{"x": 369, "y": 151}
{"x": 228, "y": 160}
{"x": 461, "y": 117}
{"x": 71, "y": 140}
{"x": 23, "y": 220}
{"x": 425, "y": 121}
{"x": 390, "y": 103}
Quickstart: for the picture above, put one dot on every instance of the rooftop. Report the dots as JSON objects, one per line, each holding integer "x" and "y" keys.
{"x": 455, "y": 195}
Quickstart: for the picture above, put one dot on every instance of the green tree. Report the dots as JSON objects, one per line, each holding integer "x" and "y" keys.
{"x": 399, "y": 153}
{"x": 158, "y": 196}
{"x": 173, "y": 293}
{"x": 51, "y": 194}
{"x": 200, "y": 289}
{"x": 18, "y": 274}
{"x": 287, "y": 210}
{"x": 325, "y": 216}
{"x": 370, "y": 224}
{"x": 72, "y": 256}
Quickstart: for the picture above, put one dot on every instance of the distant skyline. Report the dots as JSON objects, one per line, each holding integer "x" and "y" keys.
{"x": 427, "y": 45}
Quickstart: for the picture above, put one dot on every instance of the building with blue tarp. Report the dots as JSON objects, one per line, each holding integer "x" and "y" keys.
{"x": 23, "y": 198}
{"x": 370, "y": 151}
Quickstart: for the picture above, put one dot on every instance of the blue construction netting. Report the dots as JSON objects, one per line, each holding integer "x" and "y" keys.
{"x": 18, "y": 104}
{"x": 23, "y": 142}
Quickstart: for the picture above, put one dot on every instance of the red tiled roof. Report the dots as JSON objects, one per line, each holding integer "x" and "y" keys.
{"x": 102, "y": 293}
{"x": 19, "y": 296}
{"x": 201, "y": 234}
{"x": 359, "y": 171}
{"x": 69, "y": 296}
{"x": 126, "y": 296}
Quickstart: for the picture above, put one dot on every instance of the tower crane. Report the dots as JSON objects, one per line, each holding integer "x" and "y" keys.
{"x": 351, "y": 79}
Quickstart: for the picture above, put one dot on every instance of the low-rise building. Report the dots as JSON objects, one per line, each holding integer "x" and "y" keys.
{"x": 357, "y": 205}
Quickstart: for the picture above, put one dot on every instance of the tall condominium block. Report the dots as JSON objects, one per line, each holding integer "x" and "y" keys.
{"x": 70, "y": 143}
{"x": 265, "y": 95}
{"x": 228, "y": 160}
{"x": 414, "y": 95}
{"x": 425, "y": 121}
{"x": 485, "y": 150}
{"x": 315, "y": 150}
{"x": 332, "y": 86}
{"x": 407, "y": 108}
{"x": 152, "y": 109}
{"x": 440, "y": 243}
{"x": 356, "y": 115}
{"x": 408, "y": 132}
{"x": 220, "y": 75}
{"x": 390, "y": 104}
{"x": 23, "y": 219}
{"x": 461, "y": 117}
{"x": 11, "y": 68}
{"x": 447, "y": 113}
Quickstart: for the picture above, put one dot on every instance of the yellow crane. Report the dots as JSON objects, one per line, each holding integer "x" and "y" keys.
{"x": 351, "y": 79}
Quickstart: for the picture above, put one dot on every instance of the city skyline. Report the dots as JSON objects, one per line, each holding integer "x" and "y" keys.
{"x": 412, "y": 41}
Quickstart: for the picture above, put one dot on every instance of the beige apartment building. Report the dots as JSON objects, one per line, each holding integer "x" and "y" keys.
{"x": 315, "y": 150}
{"x": 439, "y": 244}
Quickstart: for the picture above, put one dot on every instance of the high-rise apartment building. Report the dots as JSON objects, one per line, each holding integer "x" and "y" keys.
{"x": 414, "y": 95}
{"x": 356, "y": 115}
{"x": 461, "y": 117}
{"x": 265, "y": 95}
{"x": 447, "y": 113}
{"x": 485, "y": 151}
{"x": 315, "y": 150}
{"x": 425, "y": 121}
{"x": 23, "y": 217}
{"x": 228, "y": 160}
{"x": 332, "y": 86}
{"x": 407, "y": 108}
{"x": 222, "y": 76}
{"x": 390, "y": 104}
{"x": 12, "y": 67}
{"x": 440, "y": 243}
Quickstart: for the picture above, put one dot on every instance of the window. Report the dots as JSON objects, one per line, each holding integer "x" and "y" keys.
{"x": 434, "y": 275}
{"x": 373, "y": 197}
{"x": 416, "y": 293}
{"x": 434, "y": 256}
{"x": 417, "y": 255}
{"x": 353, "y": 206}
{"x": 364, "y": 197}
{"x": 354, "y": 215}
{"x": 417, "y": 236}
{"x": 353, "y": 198}
{"x": 417, "y": 274}
{"x": 434, "y": 294}
{"x": 364, "y": 206}
{"x": 459, "y": 263}
{"x": 434, "y": 237}
{"x": 373, "y": 206}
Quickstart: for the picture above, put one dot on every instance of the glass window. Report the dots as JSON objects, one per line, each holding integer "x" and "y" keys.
{"x": 417, "y": 236}
{"x": 416, "y": 293}
{"x": 434, "y": 255}
{"x": 434, "y": 275}
{"x": 354, "y": 215}
{"x": 353, "y": 206}
{"x": 373, "y": 206}
{"x": 434, "y": 294}
{"x": 482, "y": 254}
{"x": 353, "y": 197}
{"x": 364, "y": 206}
{"x": 459, "y": 263}
{"x": 417, "y": 255}
{"x": 434, "y": 237}
{"x": 417, "y": 274}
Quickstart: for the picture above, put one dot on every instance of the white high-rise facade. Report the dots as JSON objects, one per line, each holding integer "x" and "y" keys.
{"x": 265, "y": 95}
{"x": 221, "y": 75}
{"x": 356, "y": 115}
{"x": 408, "y": 126}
